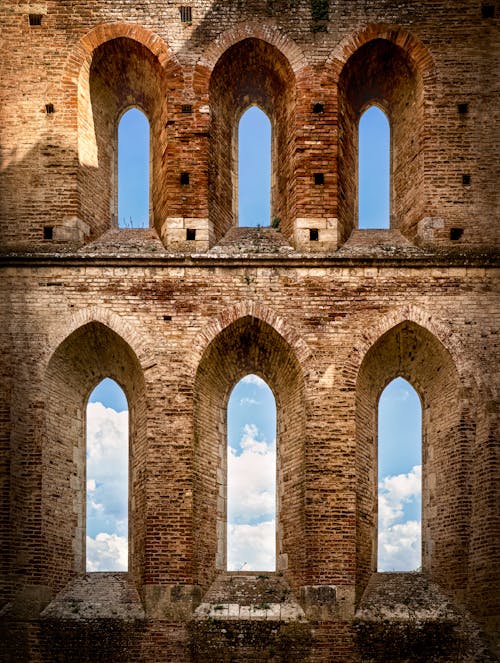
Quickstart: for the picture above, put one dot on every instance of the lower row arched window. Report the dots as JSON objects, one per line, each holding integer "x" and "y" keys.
{"x": 251, "y": 477}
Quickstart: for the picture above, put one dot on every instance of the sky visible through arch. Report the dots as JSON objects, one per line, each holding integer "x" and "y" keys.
{"x": 252, "y": 427}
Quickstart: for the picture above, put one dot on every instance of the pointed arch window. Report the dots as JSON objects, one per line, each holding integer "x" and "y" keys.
{"x": 251, "y": 476}
{"x": 253, "y": 194}
{"x": 133, "y": 170}
{"x": 399, "y": 478}
{"x": 374, "y": 176}
{"x": 107, "y": 442}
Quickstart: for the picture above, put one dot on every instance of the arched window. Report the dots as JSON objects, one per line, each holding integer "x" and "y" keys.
{"x": 254, "y": 168}
{"x": 374, "y": 169}
{"x": 399, "y": 478}
{"x": 107, "y": 479}
{"x": 133, "y": 170}
{"x": 251, "y": 477}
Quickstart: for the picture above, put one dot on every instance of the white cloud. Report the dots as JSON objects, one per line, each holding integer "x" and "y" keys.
{"x": 399, "y": 547}
{"x": 252, "y": 547}
{"x": 399, "y": 542}
{"x": 249, "y": 401}
{"x": 107, "y": 472}
{"x": 395, "y": 492}
{"x": 254, "y": 379}
{"x": 107, "y": 552}
{"x": 251, "y": 479}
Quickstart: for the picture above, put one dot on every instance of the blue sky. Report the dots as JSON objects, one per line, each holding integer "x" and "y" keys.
{"x": 251, "y": 409}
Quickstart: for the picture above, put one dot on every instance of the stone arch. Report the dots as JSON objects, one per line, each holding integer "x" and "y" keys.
{"x": 115, "y": 66}
{"x": 245, "y": 345}
{"x": 89, "y": 353}
{"x": 414, "y": 352}
{"x": 390, "y": 68}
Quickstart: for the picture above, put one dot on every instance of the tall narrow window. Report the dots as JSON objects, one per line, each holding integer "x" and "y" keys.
{"x": 107, "y": 479}
{"x": 374, "y": 169}
{"x": 251, "y": 477}
{"x": 133, "y": 170}
{"x": 254, "y": 168}
{"x": 399, "y": 478}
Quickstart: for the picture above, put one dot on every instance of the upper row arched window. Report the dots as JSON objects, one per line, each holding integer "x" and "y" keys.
{"x": 133, "y": 170}
{"x": 258, "y": 149}
{"x": 253, "y": 191}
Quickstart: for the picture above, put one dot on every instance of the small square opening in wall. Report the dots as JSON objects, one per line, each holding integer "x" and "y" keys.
{"x": 318, "y": 108}
{"x": 48, "y": 232}
{"x": 35, "y": 19}
{"x": 186, "y": 109}
{"x": 456, "y": 233}
{"x": 319, "y": 178}
{"x": 186, "y": 14}
{"x": 487, "y": 11}
{"x": 463, "y": 108}
{"x": 49, "y": 108}
{"x": 184, "y": 178}
{"x": 313, "y": 234}
{"x": 466, "y": 179}
{"x": 190, "y": 234}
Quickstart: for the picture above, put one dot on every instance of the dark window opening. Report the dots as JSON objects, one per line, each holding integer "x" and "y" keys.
{"x": 48, "y": 232}
{"x": 35, "y": 19}
{"x": 463, "y": 108}
{"x": 190, "y": 233}
{"x": 488, "y": 11}
{"x": 313, "y": 234}
{"x": 466, "y": 179}
{"x": 49, "y": 108}
{"x": 456, "y": 233}
{"x": 187, "y": 108}
{"x": 186, "y": 14}
{"x": 319, "y": 178}
{"x": 318, "y": 108}
{"x": 319, "y": 10}
{"x": 184, "y": 178}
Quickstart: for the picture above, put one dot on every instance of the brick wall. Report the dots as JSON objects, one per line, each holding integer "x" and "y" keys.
{"x": 178, "y": 323}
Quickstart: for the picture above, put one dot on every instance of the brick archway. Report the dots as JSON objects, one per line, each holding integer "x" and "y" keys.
{"x": 246, "y": 30}
{"x": 256, "y": 310}
{"x": 113, "y": 321}
{"x": 242, "y": 344}
{"x": 419, "y": 55}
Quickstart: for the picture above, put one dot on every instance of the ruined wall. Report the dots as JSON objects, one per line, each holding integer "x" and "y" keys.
{"x": 327, "y": 317}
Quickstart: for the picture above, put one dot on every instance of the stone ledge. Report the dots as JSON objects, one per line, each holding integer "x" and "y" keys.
{"x": 96, "y": 596}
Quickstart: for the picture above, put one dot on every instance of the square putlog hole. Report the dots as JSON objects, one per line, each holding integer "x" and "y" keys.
{"x": 190, "y": 233}
{"x": 456, "y": 234}
{"x": 48, "y": 232}
{"x": 184, "y": 178}
{"x": 313, "y": 234}
{"x": 319, "y": 178}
